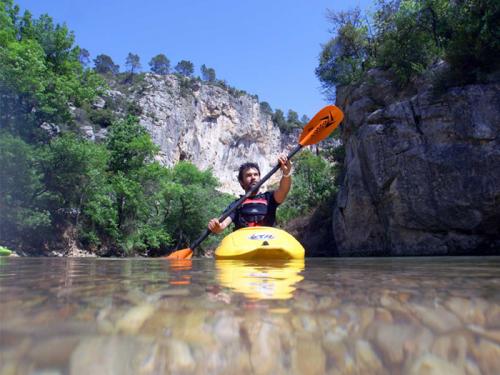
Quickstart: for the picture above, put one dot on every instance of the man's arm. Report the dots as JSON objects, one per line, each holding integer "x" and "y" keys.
{"x": 286, "y": 180}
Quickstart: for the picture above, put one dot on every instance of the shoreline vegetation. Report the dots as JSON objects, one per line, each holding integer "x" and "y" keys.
{"x": 63, "y": 194}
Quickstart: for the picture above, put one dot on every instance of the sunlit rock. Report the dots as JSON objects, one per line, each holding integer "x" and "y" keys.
{"x": 53, "y": 352}
{"x": 133, "y": 320}
{"x": 366, "y": 359}
{"x": 264, "y": 345}
{"x": 437, "y": 318}
{"x": 493, "y": 316}
{"x": 452, "y": 348}
{"x": 390, "y": 339}
{"x": 488, "y": 356}
{"x": 430, "y": 364}
{"x": 468, "y": 310}
{"x": 180, "y": 358}
{"x": 308, "y": 357}
{"x": 108, "y": 355}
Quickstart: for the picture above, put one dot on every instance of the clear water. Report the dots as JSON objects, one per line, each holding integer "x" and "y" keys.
{"x": 321, "y": 316}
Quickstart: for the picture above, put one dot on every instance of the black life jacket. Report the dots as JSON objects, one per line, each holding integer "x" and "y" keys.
{"x": 253, "y": 211}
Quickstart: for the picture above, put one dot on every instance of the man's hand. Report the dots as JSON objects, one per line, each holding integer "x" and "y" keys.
{"x": 286, "y": 180}
{"x": 215, "y": 226}
{"x": 285, "y": 165}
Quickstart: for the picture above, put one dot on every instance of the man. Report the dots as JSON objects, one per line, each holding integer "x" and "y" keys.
{"x": 260, "y": 208}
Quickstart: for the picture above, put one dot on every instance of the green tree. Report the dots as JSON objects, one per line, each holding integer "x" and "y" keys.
{"x": 279, "y": 120}
{"x": 266, "y": 108}
{"x": 40, "y": 74}
{"x": 185, "y": 68}
{"x": 130, "y": 146}
{"x": 72, "y": 170}
{"x": 133, "y": 62}
{"x": 135, "y": 182}
{"x": 406, "y": 37}
{"x": 160, "y": 64}
{"x": 471, "y": 32}
{"x": 207, "y": 74}
{"x": 84, "y": 57}
{"x": 405, "y": 43}
{"x": 313, "y": 184}
{"x": 293, "y": 119}
{"x": 104, "y": 64}
{"x": 344, "y": 58}
{"x": 190, "y": 200}
{"x": 23, "y": 218}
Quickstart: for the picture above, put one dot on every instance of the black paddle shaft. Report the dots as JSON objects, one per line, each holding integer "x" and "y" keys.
{"x": 244, "y": 197}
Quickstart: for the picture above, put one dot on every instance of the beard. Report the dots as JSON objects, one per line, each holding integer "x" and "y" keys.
{"x": 251, "y": 185}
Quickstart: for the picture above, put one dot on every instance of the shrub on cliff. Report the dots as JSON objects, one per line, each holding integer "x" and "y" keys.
{"x": 407, "y": 36}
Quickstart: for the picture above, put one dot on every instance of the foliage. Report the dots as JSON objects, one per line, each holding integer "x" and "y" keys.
{"x": 130, "y": 146}
{"x": 304, "y": 119}
{"x": 314, "y": 182}
{"x": 113, "y": 195}
{"x": 72, "y": 170}
{"x": 407, "y": 45}
{"x": 102, "y": 117}
{"x": 279, "y": 119}
{"x": 160, "y": 64}
{"x": 104, "y": 64}
{"x": 21, "y": 192}
{"x": 190, "y": 199}
{"x": 343, "y": 58}
{"x": 133, "y": 62}
{"x": 84, "y": 57}
{"x": 286, "y": 125}
{"x": 185, "y": 68}
{"x": 207, "y": 74}
{"x": 266, "y": 108}
{"x": 293, "y": 119}
{"x": 188, "y": 85}
{"x": 472, "y": 39}
{"x": 40, "y": 73}
{"x": 408, "y": 36}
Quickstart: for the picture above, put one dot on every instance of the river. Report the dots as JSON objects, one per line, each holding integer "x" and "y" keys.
{"x": 319, "y": 316}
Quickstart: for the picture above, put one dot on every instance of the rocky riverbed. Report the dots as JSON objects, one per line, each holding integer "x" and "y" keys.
{"x": 364, "y": 316}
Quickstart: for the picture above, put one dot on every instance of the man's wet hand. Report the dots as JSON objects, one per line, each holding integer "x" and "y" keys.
{"x": 215, "y": 226}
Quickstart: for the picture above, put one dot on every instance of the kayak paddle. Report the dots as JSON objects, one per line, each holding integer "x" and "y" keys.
{"x": 317, "y": 129}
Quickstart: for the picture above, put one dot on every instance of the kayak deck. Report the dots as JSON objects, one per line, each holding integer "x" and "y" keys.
{"x": 260, "y": 243}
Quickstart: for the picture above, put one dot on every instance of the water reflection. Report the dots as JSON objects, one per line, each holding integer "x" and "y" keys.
{"x": 261, "y": 280}
{"x": 180, "y": 270}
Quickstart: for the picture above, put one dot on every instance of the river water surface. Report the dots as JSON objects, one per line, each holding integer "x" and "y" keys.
{"x": 318, "y": 316}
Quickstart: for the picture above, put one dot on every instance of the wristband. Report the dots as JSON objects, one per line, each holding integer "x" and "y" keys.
{"x": 287, "y": 175}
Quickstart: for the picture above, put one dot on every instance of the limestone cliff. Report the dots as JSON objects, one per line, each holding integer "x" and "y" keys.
{"x": 422, "y": 169}
{"x": 206, "y": 124}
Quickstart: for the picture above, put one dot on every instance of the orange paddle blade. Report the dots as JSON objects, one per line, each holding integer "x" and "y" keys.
{"x": 321, "y": 125}
{"x": 181, "y": 254}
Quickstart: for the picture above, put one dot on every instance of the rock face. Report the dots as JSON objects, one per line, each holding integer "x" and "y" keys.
{"x": 208, "y": 126}
{"x": 422, "y": 170}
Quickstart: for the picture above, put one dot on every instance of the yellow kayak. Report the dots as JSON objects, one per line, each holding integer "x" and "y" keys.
{"x": 259, "y": 243}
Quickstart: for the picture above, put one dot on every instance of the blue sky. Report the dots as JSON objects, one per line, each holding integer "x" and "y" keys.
{"x": 265, "y": 47}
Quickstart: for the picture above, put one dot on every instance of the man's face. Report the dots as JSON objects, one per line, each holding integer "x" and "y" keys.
{"x": 250, "y": 177}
